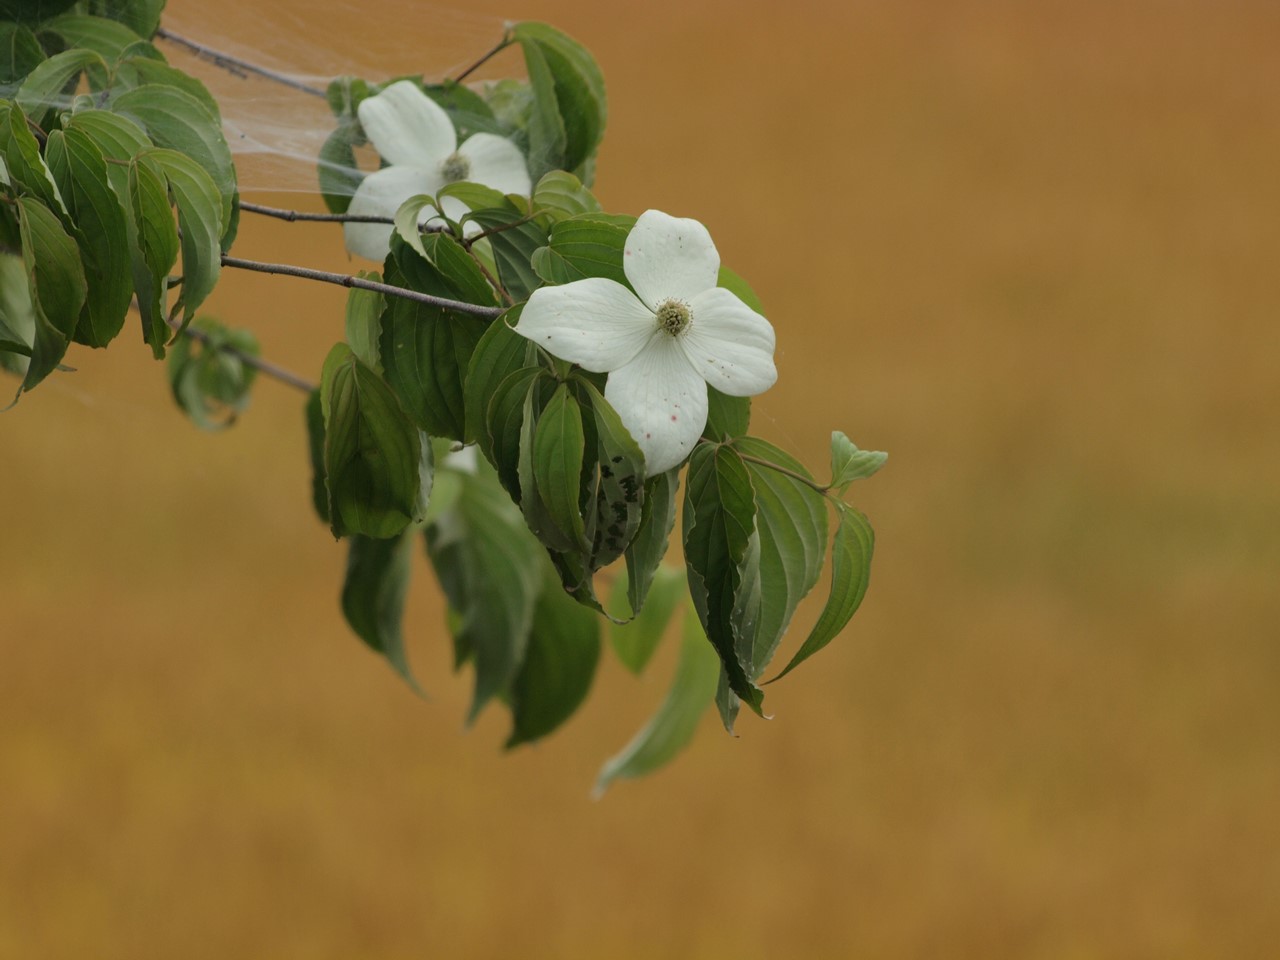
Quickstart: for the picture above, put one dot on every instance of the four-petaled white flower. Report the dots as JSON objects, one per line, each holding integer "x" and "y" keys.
{"x": 415, "y": 136}
{"x": 664, "y": 343}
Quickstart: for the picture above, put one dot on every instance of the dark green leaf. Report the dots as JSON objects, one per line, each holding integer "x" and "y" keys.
{"x": 499, "y": 352}
{"x": 22, "y": 160}
{"x": 577, "y": 88}
{"x": 315, "y": 446}
{"x": 107, "y": 38}
{"x": 100, "y": 226}
{"x": 55, "y": 279}
{"x": 33, "y": 11}
{"x": 588, "y": 245}
{"x": 557, "y": 463}
{"x": 489, "y": 567}
{"x": 372, "y": 451}
{"x": 850, "y": 572}
{"x": 719, "y": 530}
{"x": 533, "y": 505}
{"x": 210, "y": 380}
{"x": 513, "y": 248}
{"x": 339, "y": 175}
{"x": 559, "y": 664}
{"x": 649, "y": 545}
{"x": 636, "y": 640}
{"x": 848, "y": 463}
{"x": 676, "y": 721}
{"x": 617, "y": 476}
{"x": 791, "y": 518}
{"x": 140, "y": 16}
{"x": 20, "y": 53}
{"x": 118, "y": 138}
{"x": 17, "y": 315}
{"x": 41, "y": 92}
{"x": 727, "y": 417}
{"x": 466, "y": 108}
{"x": 425, "y": 350}
{"x": 373, "y": 596}
{"x": 504, "y": 422}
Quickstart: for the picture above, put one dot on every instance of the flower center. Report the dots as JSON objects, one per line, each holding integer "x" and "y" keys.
{"x": 455, "y": 167}
{"x": 673, "y": 316}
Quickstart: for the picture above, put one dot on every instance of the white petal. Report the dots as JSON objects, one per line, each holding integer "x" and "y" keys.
{"x": 669, "y": 258}
{"x": 729, "y": 344}
{"x": 380, "y": 195}
{"x": 497, "y": 162}
{"x": 662, "y": 402}
{"x": 406, "y": 126}
{"x": 596, "y": 323}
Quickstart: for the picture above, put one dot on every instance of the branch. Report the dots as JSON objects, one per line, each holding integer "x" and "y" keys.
{"x": 234, "y": 64}
{"x": 502, "y": 45}
{"x": 265, "y": 367}
{"x": 346, "y": 280}
{"x": 293, "y": 216}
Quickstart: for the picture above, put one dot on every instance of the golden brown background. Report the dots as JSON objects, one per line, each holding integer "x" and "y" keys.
{"x": 1028, "y": 247}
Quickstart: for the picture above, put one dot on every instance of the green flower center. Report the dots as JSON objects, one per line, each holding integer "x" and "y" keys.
{"x": 455, "y": 167}
{"x": 673, "y": 316}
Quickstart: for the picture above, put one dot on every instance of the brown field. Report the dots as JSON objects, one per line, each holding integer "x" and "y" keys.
{"x": 1030, "y": 248}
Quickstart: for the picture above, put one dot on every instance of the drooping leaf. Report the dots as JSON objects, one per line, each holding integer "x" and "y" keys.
{"x": 587, "y": 245}
{"x": 100, "y": 227}
{"x": 489, "y": 567}
{"x": 336, "y": 164}
{"x": 20, "y": 53}
{"x": 567, "y": 86}
{"x": 848, "y": 463}
{"x": 42, "y": 90}
{"x": 118, "y": 138}
{"x": 499, "y": 352}
{"x": 635, "y": 640}
{"x": 56, "y": 282}
{"x": 557, "y": 453}
{"x": 537, "y": 514}
{"x": 791, "y": 518}
{"x": 105, "y": 37}
{"x": 364, "y": 322}
{"x": 425, "y": 349}
{"x": 850, "y": 573}
{"x": 314, "y": 414}
{"x": 513, "y": 247}
{"x": 153, "y": 249}
{"x": 210, "y": 380}
{"x": 649, "y": 545}
{"x": 504, "y": 425}
{"x": 196, "y": 197}
{"x": 676, "y": 721}
{"x": 373, "y": 595}
{"x": 141, "y": 70}
{"x": 559, "y": 664}
{"x": 17, "y": 315}
{"x": 617, "y": 476}
{"x": 719, "y": 527}
{"x": 372, "y": 451}
{"x": 178, "y": 121}
{"x": 23, "y": 164}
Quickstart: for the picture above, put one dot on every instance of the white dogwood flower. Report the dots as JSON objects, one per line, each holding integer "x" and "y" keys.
{"x": 664, "y": 343}
{"x": 413, "y": 134}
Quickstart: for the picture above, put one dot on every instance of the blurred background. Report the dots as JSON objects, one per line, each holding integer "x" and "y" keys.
{"x": 1028, "y": 248}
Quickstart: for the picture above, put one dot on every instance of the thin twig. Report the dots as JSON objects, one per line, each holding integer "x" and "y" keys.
{"x": 264, "y": 367}
{"x": 801, "y": 478}
{"x": 493, "y": 281}
{"x": 506, "y": 41}
{"x": 293, "y": 216}
{"x": 346, "y": 280}
{"x": 234, "y": 64}
{"x": 476, "y": 238}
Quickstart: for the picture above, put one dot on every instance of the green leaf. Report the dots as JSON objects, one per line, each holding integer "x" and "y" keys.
{"x": 118, "y": 138}
{"x": 649, "y": 545}
{"x": 315, "y": 445}
{"x": 791, "y": 519}
{"x": 339, "y": 175}
{"x": 504, "y": 425}
{"x": 345, "y": 94}
{"x": 617, "y": 475}
{"x": 557, "y": 463}
{"x": 178, "y": 121}
{"x": 210, "y": 384}
{"x": 498, "y": 353}
{"x": 489, "y": 567}
{"x": 739, "y": 288}
{"x": 20, "y": 53}
{"x": 107, "y": 38}
{"x": 588, "y": 245}
{"x": 848, "y": 463}
{"x": 466, "y": 108}
{"x": 153, "y": 249}
{"x": 42, "y": 90}
{"x": 373, "y": 595}
{"x": 676, "y": 721}
{"x": 559, "y": 664}
{"x": 561, "y": 195}
{"x": 727, "y": 417}
{"x": 196, "y": 197}
{"x": 364, "y": 322}
{"x": 138, "y": 71}
{"x": 23, "y": 163}
{"x": 513, "y": 248}
{"x": 372, "y": 451}
{"x": 55, "y": 279}
{"x": 636, "y": 640}
{"x": 425, "y": 350}
{"x": 17, "y": 315}
{"x": 568, "y": 85}
{"x": 850, "y": 573}
{"x": 719, "y": 527}
{"x": 100, "y": 226}
{"x": 537, "y": 514}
